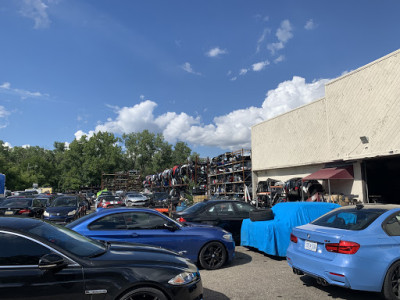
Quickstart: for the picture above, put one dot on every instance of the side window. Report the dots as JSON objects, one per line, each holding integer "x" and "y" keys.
{"x": 36, "y": 203}
{"x": 141, "y": 220}
{"x": 19, "y": 251}
{"x": 110, "y": 222}
{"x": 392, "y": 226}
{"x": 221, "y": 209}
{"x": 243, "y": 207}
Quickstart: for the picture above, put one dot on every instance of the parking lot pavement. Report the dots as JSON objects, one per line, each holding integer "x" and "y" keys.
{"x": 253, "y": 275}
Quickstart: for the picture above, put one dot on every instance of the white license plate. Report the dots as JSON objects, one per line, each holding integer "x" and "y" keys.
{"x": 310, "y": 246}
{"x": 9, "y": 213}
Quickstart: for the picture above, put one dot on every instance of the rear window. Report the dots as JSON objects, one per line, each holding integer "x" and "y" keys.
{"x": 349, "y": 219}
{"x": 196, "y": 207}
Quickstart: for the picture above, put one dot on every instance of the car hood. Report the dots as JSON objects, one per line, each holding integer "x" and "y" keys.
{"x": 126, "y": 254}
{"x": 62, "y": 210}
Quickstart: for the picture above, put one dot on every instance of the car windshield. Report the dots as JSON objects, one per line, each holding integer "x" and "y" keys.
{"x": 69, "y": 240}
{"x": 134, "y": 196}
{"x": 64, "y": 201}
{"x": 160, "y": 196}
{"x": 349, "y": 219}
{"x": 17, "y": 202}
{"x": 196, "y": 207}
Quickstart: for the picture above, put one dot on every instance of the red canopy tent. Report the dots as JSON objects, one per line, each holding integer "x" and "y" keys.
{"x": 332, "y": 173}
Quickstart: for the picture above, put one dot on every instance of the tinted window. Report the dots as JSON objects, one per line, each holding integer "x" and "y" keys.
{"x": 392, "y": 226}
{"x": 141, "y": 220}
{"x": 221, "y": 209}
{"x": 68, "y": 240}
{"x": 65, "y": 202}
{"x": 17, "y": 202}
{"x": 196, "y": 207}
{"x": 16, "y": 250}
{"x": 349, "y": 219}
{"x": 110, "y": 222}
{"x": 244, "y": 207}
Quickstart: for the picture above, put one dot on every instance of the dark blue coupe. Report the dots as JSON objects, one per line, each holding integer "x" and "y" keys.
{"x": 210, "y": 246}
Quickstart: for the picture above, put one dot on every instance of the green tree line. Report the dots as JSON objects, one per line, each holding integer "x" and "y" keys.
{"x": 82, "y": 163}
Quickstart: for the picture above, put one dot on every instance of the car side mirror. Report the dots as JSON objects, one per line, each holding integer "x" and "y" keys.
{"x": 52, "y": 262}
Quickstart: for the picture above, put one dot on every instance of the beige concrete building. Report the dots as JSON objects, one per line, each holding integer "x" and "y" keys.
{"x": 356, "y": 125}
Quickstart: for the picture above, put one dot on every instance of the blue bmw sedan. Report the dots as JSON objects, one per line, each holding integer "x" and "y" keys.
{"x": 356, "y": 247}
{"x": 209, "y": 246}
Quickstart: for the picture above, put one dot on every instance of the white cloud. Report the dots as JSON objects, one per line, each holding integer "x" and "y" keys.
{"x": 37, "y": 11}
{"x": 188, "y": 68}
{"x": 262, "y": 38}
{"x": 260, "y": 65}
{"x": 284, "y": 34}
{"x": 3, "y": 112}
{"x": 215, "y": 52}
{"x": 6, "y": 88}
{"x": 310, "y": 25}
{"x": 7, "y": 144}
{"x": 229, "y": 131}
{"x": 243, "y": 72}
{"x": 234, "y": 78}
{"x": 3, "y": 115}
{"x": 279, "y": 59}
{"x": 26, "y": 146}
{"x": 5, "y": 85}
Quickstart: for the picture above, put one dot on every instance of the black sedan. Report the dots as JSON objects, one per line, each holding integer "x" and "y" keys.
{"x": 26, "y": 207}
{"x": 227, "y": 214}
{"x": 42, "y": 261}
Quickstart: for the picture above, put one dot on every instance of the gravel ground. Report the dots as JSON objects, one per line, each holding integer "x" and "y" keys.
{"x": 254, "y": 275}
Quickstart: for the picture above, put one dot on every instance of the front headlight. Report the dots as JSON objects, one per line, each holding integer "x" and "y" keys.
{"x": 46, "y": 214}
{"x": 228, "y": 237}
{"x": 183, "y": 278}
{"x": 72, "y": 212}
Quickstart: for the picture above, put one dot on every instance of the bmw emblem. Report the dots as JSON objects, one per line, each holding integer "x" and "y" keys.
{"x": 58, "y": 214}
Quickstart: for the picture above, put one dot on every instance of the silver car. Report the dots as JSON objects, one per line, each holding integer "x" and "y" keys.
{"x": 135, "y": 199}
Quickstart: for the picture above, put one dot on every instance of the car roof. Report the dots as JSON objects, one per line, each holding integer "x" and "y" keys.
{"x": 379, "y": 206}
{"x": 225, "y": 200}
{"x": 18, "y": 224}
{"x": 123, "y": 209}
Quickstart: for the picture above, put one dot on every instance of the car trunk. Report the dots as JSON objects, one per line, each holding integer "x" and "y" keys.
{"x": 311, "y": 240}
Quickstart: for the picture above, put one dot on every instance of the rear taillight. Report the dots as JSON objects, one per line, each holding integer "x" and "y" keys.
{"x": 181, "y": 220}
{"x": 293, "y": 238}
{"x": 24, "y": 212}
{"x": 343, "y": 247}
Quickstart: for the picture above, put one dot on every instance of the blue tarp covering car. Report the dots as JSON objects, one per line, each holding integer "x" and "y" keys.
{"x": 273, "y": 236}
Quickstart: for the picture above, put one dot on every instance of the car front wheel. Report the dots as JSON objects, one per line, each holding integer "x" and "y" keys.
{"x": 391, "y": 286}
{"x": 145, "y": 293}
{"x": 212, "y": 256}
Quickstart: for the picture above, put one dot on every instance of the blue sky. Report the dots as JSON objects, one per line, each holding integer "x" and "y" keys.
{"x": 202, "y": 72}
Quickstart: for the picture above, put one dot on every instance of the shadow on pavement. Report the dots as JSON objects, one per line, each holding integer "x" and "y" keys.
{"x": 240, "y": 259}
{"x": 277, "y": 258}
{"x": 209, "y": 294}
{"x": 339, "y": 292}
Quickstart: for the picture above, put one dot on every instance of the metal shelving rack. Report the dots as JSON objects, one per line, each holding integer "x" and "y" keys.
{"x": 230, "y": 173}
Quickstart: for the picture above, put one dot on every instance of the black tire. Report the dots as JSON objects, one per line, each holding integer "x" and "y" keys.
{"x": 391, "y": 287}
{"x": 212, "y": 256}
{"x": 144, "y": 293}
{"x": 261, "y": 215}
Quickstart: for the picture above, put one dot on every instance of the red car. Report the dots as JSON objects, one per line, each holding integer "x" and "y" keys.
{"x": 110, "y": 201}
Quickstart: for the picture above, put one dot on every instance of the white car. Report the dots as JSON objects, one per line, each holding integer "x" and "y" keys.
{"x": 135, "y": 199}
